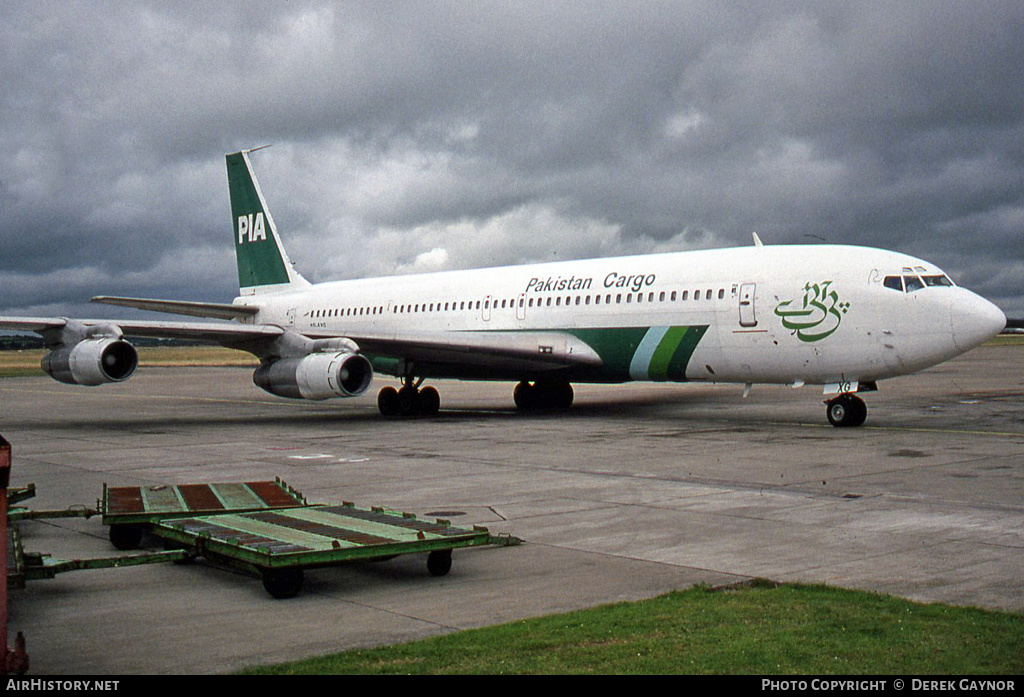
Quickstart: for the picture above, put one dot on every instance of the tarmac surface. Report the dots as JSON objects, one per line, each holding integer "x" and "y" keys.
{"x": 639, "y": 490}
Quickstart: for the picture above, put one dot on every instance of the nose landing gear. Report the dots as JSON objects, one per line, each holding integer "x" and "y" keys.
{"x": 846, "y": 410}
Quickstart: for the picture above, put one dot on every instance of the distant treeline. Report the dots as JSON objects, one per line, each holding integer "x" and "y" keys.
{"x": 22, "y": 343}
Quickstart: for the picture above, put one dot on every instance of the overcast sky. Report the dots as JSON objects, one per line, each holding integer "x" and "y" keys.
{"x": 418, "y": 136}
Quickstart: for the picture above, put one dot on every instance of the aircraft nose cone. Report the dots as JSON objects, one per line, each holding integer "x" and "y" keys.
{"x": 974, "y": 320}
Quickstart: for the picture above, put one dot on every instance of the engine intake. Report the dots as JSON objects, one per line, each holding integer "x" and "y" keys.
{"x": 92, "y": 362}
{"x": 316, "y": 376}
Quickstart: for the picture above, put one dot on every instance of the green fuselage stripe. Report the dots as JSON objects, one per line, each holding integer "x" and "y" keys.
{"x": 684, "y": 351}
{"x": 627, "y": 353}
{"x": 665, "y": 352}
{"x": 641, "y": 353}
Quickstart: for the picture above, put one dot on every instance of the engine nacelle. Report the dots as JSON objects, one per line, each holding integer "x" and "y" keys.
{"x": 92, "y": 362}
{"x": 316, "y": 376}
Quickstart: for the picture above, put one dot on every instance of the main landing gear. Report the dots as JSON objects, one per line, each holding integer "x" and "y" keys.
{"x": 409, "y": 401}
{"x": 543, "y": 394}
{"x": 846, "y": 410}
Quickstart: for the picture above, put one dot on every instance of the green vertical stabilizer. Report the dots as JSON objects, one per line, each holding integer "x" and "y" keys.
{"x": 261, "y": 258}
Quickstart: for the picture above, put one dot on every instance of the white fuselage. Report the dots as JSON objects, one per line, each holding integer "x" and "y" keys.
{"x": 778, "y": 314}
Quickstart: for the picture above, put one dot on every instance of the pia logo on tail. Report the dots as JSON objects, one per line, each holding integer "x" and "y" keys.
{"x": 251, "y": 228}
{"x": 818, "y": 316}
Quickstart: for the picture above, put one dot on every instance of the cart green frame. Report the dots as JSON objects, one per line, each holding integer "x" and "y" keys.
{"x": 268, "y": 529}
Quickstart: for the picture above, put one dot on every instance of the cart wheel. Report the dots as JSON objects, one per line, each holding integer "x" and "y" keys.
{"x": 283, "y": 583}
{"x": 125, "y": 537}
{"x": 439, "y": 562}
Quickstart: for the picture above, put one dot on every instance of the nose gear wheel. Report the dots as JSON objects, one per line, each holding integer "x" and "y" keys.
{"x": 846, "y": 410}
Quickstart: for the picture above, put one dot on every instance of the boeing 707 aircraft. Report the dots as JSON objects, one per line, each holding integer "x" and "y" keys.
{"x": 841, "y": 317}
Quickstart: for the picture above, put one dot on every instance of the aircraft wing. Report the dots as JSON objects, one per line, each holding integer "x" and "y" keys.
{"x": 221, "y": 333}
{"x": 484, "y": 351}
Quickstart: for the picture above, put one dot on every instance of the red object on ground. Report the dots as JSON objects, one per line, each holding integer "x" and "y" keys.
{"x": 11, "y": 660}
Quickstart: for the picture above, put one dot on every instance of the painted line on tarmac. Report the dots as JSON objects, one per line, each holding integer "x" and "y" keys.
{"x": 908, "y": 429}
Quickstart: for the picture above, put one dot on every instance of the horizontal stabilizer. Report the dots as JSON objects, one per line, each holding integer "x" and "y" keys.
{"x": 180, "y": 307}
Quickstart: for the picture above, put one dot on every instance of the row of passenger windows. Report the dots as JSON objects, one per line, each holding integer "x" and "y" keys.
{"x": 347, "y": 312}
{"x": 556, "y": 301}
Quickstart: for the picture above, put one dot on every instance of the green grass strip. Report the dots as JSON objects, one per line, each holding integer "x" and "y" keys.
{"x": 759, "y": 628}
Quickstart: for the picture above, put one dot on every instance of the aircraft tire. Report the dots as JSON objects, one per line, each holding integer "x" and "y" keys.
{"x": 552, "y": 395}
{"x": 860, "y": 411}
{"x": 409, "y": 401}
{"x": 846, "y": 411}
{"x": 388, "y": 402}
{"x": 564, "y": 396}
{"x": 430, "y": 401}
{"x": 524, "y": 396}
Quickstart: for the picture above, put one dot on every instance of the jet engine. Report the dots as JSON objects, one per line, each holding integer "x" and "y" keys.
{"x": 92, "y": 361}
{"x": 316, "y": 376}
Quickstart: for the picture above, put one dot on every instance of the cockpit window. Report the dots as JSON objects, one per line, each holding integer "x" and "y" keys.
{"x": 912, "y": 283}
{"x": 914, "y": 279}
{"x": 894, "y": 282}
{"x": 939, "y": 280}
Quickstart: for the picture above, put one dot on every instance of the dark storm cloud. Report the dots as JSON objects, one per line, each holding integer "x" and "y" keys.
{"x": 443, "y": 135}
